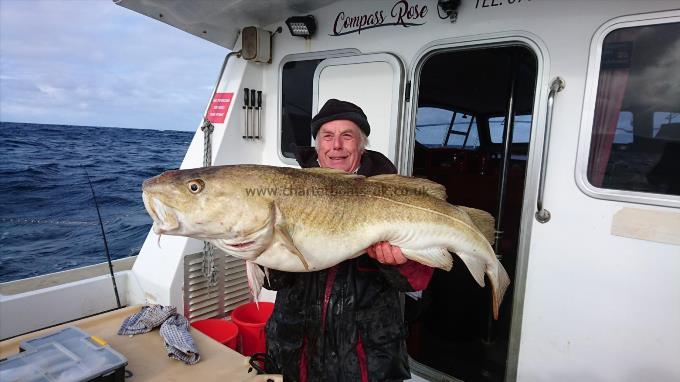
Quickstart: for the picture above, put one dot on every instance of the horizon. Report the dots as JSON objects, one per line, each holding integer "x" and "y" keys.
{"x": 94, "y": 63}
{"x": 104, "y": 127}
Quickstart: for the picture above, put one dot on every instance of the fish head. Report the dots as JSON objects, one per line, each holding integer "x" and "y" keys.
{"x": 211, "y": 204}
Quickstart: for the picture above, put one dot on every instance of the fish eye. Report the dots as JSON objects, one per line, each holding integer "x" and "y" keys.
{"x": 195, "y": 186}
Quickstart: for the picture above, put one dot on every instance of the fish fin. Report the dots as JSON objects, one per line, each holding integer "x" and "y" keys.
{"x": 255, "y": 280}
{"x": 282, "y": 238}
{"x": 431, "y": 188}
{"x": 266, "y": 275}
{"x": 484, "y": 221}
{"x": 331, "y": 172}
{"x": 476, "y": 265}
{"x": 432, "y": 257}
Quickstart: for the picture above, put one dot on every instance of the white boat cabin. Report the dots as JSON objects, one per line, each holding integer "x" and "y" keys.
{"x": 561, "y": 118}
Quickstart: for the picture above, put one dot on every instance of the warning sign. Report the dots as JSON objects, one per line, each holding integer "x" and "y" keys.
{"x": 219, "y": 106}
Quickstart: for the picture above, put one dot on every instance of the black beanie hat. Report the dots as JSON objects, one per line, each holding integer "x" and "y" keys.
{"x": 334, "y": 110}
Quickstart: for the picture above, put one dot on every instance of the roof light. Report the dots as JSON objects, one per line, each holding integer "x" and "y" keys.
{"x": 301, "y": 26}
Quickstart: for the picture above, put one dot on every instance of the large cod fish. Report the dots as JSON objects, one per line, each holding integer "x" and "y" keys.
{"x": 303, "y": 220}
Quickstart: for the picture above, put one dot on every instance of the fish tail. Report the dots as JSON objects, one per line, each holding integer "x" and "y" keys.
{"x": 499, "y": 283}
{"x": 493, "y": 269}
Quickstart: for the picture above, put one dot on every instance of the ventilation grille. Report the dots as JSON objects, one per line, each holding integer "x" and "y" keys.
{"x": 231, "y": 290}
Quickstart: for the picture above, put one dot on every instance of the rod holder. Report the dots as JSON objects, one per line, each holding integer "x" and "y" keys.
{"x": 246, "y": 106}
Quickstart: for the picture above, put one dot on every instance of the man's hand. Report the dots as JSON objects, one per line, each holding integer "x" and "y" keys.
{"x": 385, "y": 253}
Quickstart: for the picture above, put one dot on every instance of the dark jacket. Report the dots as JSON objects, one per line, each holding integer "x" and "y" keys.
{"x": 343, "y": 323}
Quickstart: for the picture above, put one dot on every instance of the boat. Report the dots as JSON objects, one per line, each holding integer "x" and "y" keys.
{"x": 561, "y": 118}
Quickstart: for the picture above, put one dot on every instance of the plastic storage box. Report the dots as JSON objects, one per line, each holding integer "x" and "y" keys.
{"x": 67, "y": 355}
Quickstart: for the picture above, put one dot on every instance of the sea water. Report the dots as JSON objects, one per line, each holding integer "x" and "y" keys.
{"x": 48, "y": 220}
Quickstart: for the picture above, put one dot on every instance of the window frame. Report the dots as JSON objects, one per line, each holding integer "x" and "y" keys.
{"x": 588, "y": 114}
{"x": 300, "y": 57}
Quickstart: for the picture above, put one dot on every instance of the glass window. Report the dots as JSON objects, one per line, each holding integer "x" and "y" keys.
{"x": 624, "y": 128}
{"x": 521, "y": 131}
{"x": 431, "y": 125}
{"x": 635, "y": 142}
{"x": 437, "y": 127}
{"x": 662, "y": 118}
{"x": 297, "y": 79}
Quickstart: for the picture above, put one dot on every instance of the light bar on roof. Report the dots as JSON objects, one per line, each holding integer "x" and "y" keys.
{"x": 301, "y": 26}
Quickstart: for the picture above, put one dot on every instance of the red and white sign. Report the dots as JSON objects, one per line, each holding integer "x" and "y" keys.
{"x": 219, "y": 107}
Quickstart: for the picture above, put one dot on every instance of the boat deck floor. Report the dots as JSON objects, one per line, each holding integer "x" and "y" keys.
{"x": 147, "y": 359}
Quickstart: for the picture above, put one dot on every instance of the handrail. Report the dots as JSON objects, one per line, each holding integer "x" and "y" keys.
{"x": 542, "y": 214}
{"x": 209, "y": 271}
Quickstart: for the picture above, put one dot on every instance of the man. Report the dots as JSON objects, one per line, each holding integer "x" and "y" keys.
{"x": 344, "y": 323}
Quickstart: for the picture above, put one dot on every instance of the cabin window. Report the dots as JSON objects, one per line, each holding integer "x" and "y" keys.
{"x": 520, "y": 131}
{"x": 438, "y": 127}
{"x": 297, "y": 80}
{"x": 635, "y": 141}
{"x": 624, "y": 128}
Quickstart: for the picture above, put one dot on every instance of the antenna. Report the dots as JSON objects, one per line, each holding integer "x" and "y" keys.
{"x": 106, "y": 245}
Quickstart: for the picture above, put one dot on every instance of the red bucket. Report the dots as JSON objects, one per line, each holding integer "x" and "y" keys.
{"x": 251, "y": 322}
{"x": 222, "y": 331}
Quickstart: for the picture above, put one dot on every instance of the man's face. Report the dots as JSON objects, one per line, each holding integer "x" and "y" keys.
{"x": 337, "y": 145}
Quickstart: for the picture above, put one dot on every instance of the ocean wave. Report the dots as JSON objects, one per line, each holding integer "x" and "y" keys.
{"x": 50, "y": 222}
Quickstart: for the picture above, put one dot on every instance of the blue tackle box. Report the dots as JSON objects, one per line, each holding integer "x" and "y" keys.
{"x": 69, "y": 354}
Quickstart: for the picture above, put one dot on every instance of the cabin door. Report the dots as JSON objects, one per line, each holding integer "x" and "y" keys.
{"x": 372, "y": 81}
{"x": 465, "y": 98}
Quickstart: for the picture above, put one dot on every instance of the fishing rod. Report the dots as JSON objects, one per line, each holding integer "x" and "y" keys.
{"x": 106, "y": 245}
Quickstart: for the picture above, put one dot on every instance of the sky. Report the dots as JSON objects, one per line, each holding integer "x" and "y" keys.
{"x": 94, "y": 63}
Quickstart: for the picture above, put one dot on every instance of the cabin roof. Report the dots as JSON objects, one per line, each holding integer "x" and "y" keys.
{"x": 220, "y": 21}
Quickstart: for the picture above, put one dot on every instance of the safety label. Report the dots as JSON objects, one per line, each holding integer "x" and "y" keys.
{"x": 219, "y": 107}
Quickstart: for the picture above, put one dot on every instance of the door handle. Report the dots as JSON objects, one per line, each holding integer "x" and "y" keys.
{"x": 542, "y": 214}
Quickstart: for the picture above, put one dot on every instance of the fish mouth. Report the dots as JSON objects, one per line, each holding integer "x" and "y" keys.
{"x": 164, "y": 219}
{"x": 247, "y": 248}
{"x": 249, "y": 245}
{"x": 242, "y": 246}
